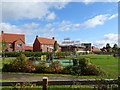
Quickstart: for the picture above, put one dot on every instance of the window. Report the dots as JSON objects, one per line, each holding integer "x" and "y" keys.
{"x": 11, "y": 45}
{"x": 42, "y": 45}
{"x": 19, "y": 51}
{"x": 48, "y": 45}
{"x": 19, "y": 45}
{"x": 10, "y": 50}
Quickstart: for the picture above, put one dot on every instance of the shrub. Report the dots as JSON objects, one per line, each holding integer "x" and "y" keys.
{"x": 20, "y": 64}
{"x": 83, "y": 62}
{"x": 92, "y": 69}
{"x": 54, "y": 67}
{"x": 41, "y": 68}
{"x": 11, "y": 54}
{"x": 22, "y": 57}
{"x": 67, "y": 69}
{"x": 75, "y": 70}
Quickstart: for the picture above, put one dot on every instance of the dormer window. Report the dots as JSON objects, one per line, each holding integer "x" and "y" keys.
{"x": 19, "y": 45}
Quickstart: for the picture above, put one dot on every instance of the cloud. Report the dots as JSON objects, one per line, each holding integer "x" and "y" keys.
{"x": 27, "y": 29}
{"x": 92, "y": 1}
{"x": 29, "y": 10}
{"x": 113, "y": 16}
{"x": 98, "y": 20}
{"x": 110, "y": 38}
{"x": 51, "y": 16}
{"x": 49, "y": 35}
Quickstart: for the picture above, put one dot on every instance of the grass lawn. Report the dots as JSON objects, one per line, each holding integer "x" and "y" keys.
{"x": 112, "y": 71}
{"x": 54, "y": 87}
{"x": 100, "y": 59}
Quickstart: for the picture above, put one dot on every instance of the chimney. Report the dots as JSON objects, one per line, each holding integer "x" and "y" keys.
{"x": 36, "y": 36}
{"x": 2, "y": 32}
{"x": 53, "y": 38}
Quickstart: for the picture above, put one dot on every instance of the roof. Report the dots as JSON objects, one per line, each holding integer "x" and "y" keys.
{"x": 96, "y": 49}
{"x": 13, "y": 37}
{"x": 46, "y": 40}
{"x": 28, "y": 48}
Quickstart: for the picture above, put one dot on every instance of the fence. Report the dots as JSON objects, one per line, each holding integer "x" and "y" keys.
{"x": 45, "y": 82}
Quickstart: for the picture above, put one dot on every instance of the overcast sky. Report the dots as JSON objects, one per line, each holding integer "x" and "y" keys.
{"x": 95, "y": 22}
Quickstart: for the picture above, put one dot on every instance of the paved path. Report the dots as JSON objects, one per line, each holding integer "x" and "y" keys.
{"x": 17, "y": 77}
{"x": 108, "y": 65}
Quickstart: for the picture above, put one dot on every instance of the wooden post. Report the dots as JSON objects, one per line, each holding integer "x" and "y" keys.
{"x": 45, "y": 83}
{"x": 118, "y": 82}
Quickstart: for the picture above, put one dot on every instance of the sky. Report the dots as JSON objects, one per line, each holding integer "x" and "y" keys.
{"x": 94, "y": 22}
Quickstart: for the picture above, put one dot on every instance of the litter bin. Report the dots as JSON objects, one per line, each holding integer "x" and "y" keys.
{"x": 75, "y": 61}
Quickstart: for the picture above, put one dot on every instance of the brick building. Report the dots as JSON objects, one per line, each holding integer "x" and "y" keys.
{"x": 43, "y": 44}
{"x": 28, "y": 49}
{"x": 13, "y": 42}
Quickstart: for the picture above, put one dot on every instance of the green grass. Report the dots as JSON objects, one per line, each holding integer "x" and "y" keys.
{"x": 100, "y": 59}
{"x": 6, "y": 60}
{"x": 55, "y": 87}
{"x": 6, "y": 80}
{"x": 111, "y": 71}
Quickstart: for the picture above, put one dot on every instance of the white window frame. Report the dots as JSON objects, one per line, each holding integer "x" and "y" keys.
{"x": 19, "y": 45}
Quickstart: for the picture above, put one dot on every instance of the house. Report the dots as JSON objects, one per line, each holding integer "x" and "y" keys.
{"x": 96, "y": 50}
{"x": 13, "y": 42}
{"x": 28, "y": 49}
{"x": 43, "y": 44}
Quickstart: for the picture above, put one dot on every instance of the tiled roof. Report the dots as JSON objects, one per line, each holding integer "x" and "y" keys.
{"x": 46, "y": 40}
{"x": 28, "y": 48}
{"x": 13, "y": 37}
{"x": 96, "y": 49}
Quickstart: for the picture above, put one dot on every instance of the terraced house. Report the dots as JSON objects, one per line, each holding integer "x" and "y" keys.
{"x": 13, "y": 42}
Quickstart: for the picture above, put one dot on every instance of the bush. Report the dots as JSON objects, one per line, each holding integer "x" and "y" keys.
{"x": 54, "y": 67}
{"x": 11, "y": 54}
{"x": 41, "y": 68}
{"x": 92, "y": 69}
{"x": 20, "y": 64}
{"x": 83, "y": 62}
{"x": 75, "y": 70}
{"x": 22, "y": 57}
{"x": 67, "y": 69}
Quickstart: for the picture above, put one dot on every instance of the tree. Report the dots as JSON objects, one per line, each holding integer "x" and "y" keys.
{"x": 108, "y": 47}
{"x": 55, "y": 46}
{"x": 115, "y": 48}
{"x": 103, "y": 49}
{"x": 87, "y": 49}
{"x": 4, "y": 46}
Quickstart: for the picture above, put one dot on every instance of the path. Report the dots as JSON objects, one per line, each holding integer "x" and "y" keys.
{"x": 109, "y": 65}
{"x": 18, "y": 77}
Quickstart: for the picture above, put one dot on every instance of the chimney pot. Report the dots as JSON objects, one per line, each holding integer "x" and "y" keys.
{"x": 2, "y": 32}
{"x": 53, "y": 37}
{"x": 36, "y": 36}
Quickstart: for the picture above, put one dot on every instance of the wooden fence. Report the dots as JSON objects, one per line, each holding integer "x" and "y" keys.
{"x": 45, "y": 82}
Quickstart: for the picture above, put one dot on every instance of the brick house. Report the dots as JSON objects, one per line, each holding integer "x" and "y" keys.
{"x": 28, "y": 49}
{"x": 43, "y": 44}
{"x": 13, "y": 42}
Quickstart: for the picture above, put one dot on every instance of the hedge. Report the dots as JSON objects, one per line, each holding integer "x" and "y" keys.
{"x": 35, "y": 54}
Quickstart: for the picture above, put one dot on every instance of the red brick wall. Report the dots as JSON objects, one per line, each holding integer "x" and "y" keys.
{"x": 8, "y": 46}
{"x": 44, "y": 48}
{"x": 16, "y": 47}
{"x": 36, "y": 46}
